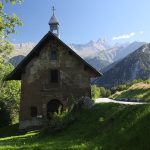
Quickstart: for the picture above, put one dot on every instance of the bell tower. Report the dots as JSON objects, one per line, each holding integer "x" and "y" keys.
{"x": 54, "y": 24}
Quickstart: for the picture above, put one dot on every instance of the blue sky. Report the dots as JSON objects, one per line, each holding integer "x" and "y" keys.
{"x": 83, "y": 20}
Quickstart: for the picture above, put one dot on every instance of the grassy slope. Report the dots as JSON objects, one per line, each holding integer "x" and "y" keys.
{"x": 139, "y": 90}
{"x": 104, "y": 127}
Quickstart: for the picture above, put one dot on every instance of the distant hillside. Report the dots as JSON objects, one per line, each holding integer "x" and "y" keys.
{"x": 22, "y": 48}
{"x": 19, "y": 52}
{"x": 134, "y": 66}
{"x": 97, "y": 53}
{"x": 100, "y": 53}
{"x": 140, "y": 90}
{"x": 16, "y": 59}
{"x": 108, "y": 67}
{"x": 97, "y": 63}
{"x": 127, "y": 50}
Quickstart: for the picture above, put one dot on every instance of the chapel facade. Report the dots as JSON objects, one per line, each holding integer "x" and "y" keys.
{"x": 52, "y": 75}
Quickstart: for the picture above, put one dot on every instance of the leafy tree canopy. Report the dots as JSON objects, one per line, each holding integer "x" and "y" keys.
{"x": 9, "y": 91}
{"x": 7, "y": 26}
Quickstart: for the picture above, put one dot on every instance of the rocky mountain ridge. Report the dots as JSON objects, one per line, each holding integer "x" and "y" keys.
{"x": 134, "y": 66}
{"x": 97, "y": 53}
{"x": 100, "y": 53}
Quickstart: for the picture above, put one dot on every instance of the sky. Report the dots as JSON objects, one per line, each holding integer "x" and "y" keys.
{"x": 118, "y": 21}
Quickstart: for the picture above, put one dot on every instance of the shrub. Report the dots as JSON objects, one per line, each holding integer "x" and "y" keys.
{"x": 5, "y": 117}
{"x": 60, "y": 120}
{"x": 108, "y": 93}
{"x": 95, "y": 92}
{"x": 98, "y": 92}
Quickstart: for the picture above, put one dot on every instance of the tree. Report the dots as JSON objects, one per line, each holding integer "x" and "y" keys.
{"x": 95, "y": 92}
{"x": 9, "y": 91}
{"x": 5, "y": 118}
{"x": 7, "y": 26}
{"x": 7, "y": 22}
{"x": 103, "y": 91}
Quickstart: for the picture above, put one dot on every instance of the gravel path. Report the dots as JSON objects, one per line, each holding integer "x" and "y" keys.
{"x": 107, "y": 100}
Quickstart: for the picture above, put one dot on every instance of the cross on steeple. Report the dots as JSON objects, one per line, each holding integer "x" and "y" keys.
{"x": 54, "y": 24}
{"x": 53, "y": 9}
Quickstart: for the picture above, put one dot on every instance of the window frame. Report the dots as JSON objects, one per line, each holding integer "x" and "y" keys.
{"x": 33, "y": 111}
{"x": 53, "y": 54}
{"x": 51, "y": 75}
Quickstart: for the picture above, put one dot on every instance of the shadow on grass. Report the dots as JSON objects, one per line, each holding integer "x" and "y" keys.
{"x": 106, "y": 126}
{"x": 11, "y": 130}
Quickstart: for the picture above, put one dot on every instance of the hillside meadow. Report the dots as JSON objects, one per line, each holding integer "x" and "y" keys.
{"x": 139, "y": 90}
{"x": 104, "y": 127}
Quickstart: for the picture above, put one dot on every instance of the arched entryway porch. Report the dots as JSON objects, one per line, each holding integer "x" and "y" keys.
{"x": 53, "y": 106}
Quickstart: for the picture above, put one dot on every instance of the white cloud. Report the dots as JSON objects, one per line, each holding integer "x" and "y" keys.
{"x": 141, "y": 32}
{"x": 124, "y": 36}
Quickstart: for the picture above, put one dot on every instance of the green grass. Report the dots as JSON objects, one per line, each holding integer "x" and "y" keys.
{"x": 138, "y": 90}
{"x": 104, "y": 127}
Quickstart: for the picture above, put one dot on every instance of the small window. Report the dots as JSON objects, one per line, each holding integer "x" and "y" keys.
{"x": 53, "y": 55}
{"x": 54, "y": 76}
{"x": 33, "y": 111}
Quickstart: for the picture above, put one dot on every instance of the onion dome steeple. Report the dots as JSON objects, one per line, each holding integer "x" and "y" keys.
{"x": 54, "y": 24}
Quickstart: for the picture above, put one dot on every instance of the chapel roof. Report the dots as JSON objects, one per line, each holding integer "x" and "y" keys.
{"x": 17, "y": 72}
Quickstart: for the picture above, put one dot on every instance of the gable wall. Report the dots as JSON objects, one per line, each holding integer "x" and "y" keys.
{"x": 36, "y": 87}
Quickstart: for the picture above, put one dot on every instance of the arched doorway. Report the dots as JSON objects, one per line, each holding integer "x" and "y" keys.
{"x": 53, "y": 106}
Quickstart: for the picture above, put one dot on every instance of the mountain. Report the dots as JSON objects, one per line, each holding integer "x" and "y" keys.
{"x": 97, "y": 63}
{"x": 108, "y": 67}
{"x": 97, "y": 53}
{"x": 19, "y": 52}
{"x": 16, "y": 59}
{"x": 134, "y": 66}
{"x": 127, "y": 50}
{"x": 123, "y": 52}
{"x": 92, "y": 49}
{"x": 22, "y": 48}
{"x": 100, "y": 53}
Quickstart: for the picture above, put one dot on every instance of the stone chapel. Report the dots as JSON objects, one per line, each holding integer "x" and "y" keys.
{"x": 51, "y": 75}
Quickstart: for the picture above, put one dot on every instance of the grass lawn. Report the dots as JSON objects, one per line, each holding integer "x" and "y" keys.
{"x": 139, "y": 91}
{"x": 104, "y": 127}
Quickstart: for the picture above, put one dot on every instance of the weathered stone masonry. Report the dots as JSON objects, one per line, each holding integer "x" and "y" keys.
{"x": 36, "y": 88}
{"x": 38, "y": 91}
{"x": 51, "y": 75}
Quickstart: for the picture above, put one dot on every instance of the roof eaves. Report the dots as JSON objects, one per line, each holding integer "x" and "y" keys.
{"x": 36, "y": 51}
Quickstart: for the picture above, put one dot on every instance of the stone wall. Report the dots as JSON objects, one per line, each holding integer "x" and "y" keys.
{"x": 36, "y": 88}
